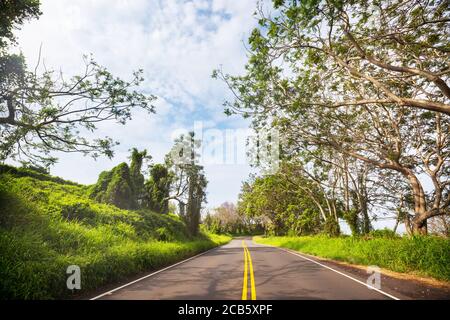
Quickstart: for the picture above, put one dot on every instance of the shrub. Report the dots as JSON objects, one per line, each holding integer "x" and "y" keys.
{"x": 383, "y": 233}
{"x": 78, "y": 212}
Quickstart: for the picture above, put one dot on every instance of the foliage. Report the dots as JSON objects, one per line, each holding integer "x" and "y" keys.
{"x": 13, "y": 14}
{"x": 46, "y": 226}
{"x": 287, "y": 202}
{"x": 136, "y": 176}
{"x": 115, "y": 187}
{"x": 428, "y": 256}
{"x": 157, "y": 189}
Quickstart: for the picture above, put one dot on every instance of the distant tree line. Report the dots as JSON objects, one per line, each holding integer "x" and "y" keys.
{"x": 227, "y": 219}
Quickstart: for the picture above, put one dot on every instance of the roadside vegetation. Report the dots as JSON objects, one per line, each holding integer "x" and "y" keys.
{"x": 46, "y": 226}
{"x": 419, "y": 255}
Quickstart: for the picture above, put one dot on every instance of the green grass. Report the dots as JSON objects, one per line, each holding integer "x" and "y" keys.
{"x": 47, "y": 225}
{"x": 424, "y": 256}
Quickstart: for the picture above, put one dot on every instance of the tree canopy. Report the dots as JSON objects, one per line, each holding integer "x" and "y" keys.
{"x": 351, "y": 86}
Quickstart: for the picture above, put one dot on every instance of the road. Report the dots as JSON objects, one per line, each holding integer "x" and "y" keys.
{"x": 228, "y": 272}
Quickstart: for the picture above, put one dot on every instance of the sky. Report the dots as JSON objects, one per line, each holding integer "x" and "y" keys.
{"x": 178, "y": 44}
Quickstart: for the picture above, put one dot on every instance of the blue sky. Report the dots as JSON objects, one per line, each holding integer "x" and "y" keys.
{"x": 177, "y": 43}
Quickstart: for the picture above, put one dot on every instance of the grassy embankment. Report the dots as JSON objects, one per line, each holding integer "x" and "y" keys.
{"x": 47, "y": 224}
{"x": 423, "y": 256}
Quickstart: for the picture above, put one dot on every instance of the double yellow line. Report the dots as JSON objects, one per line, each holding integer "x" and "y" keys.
{"x": 248, "y": 266}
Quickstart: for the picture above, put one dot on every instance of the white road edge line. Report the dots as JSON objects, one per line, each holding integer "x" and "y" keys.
{"x": 152, "y": 274}
{"x": 343, "y": 274}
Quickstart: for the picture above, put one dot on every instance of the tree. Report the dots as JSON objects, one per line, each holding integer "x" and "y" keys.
{"x": 397, "y": 49}
{"x": 123, "y": 185}
{"x": 196, "y": 197}
{"x": 137, "y": 178}
{"x": 115, "y": 187}
{"x": 412, "y": 143}
{"x": 227, "y": 219}
{"x": 189, "y": 181}
{"x": 371, "y": 88}
{"x": 45, "y": 112}
{"x": 287, "y": 202}
{"x": 157, "y": 189}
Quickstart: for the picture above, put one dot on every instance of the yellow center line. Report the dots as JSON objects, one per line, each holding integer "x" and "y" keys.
{"x": 248, "y": 266}
{"x": 244, "y": 286}
{"x": 252, "y": 277}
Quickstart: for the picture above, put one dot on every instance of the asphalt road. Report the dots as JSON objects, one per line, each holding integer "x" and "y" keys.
{"x": 228, "y": 272}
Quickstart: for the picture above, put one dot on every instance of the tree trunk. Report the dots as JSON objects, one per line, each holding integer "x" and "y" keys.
{"x": 419, "y": 226}
{"x": 366, "y": 220}
{"x": 408, "y": 225}
{"x": 397, "y": 221}
{"x": 419, "y": 222}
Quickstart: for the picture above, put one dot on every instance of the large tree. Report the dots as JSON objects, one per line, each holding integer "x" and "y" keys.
{"x": 189, "y": 181}
{"x": 289, "y": 201}
{"x": 123, "y": 185}
{"x": 115, "y": 187}
{"x": 342, "y": 53}
{"x": 366, "y": 80}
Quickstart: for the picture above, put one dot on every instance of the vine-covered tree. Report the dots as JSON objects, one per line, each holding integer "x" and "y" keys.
{"x": 115, "y": 187}
{"x": 138, "y": 180}
{"x": 157, "y": 189}
{"x": 123, "y": 185}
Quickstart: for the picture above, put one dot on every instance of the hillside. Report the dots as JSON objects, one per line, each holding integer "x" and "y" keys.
{"x": 48, "y": 224}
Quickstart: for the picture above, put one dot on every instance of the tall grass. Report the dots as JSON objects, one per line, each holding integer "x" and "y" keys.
{"x": 45, "y": 226}
{"x": 426, "y": 256}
